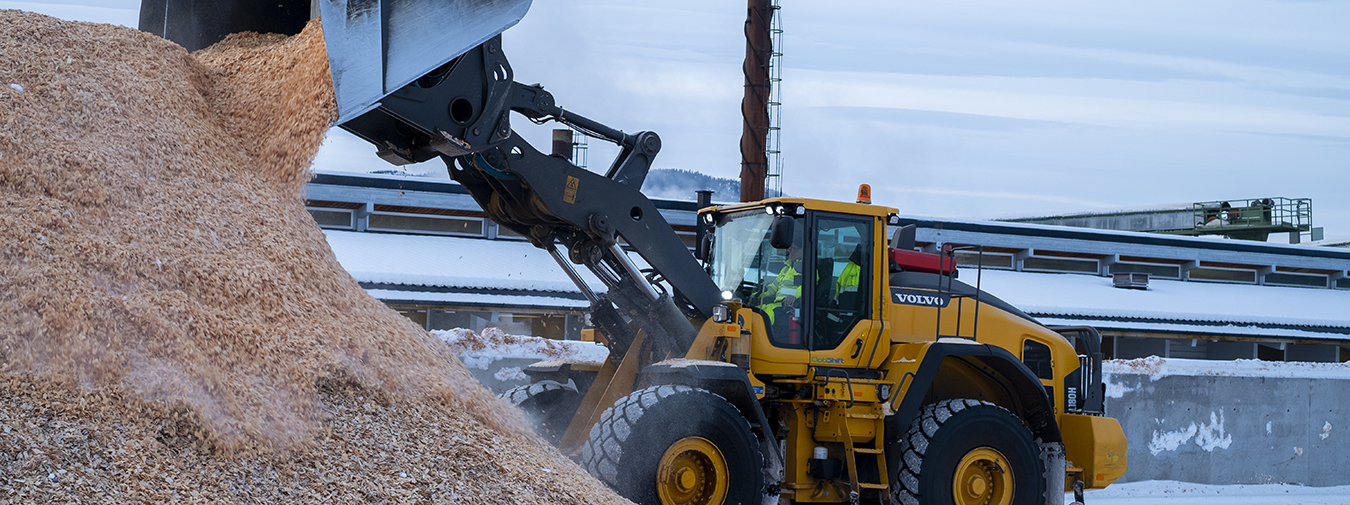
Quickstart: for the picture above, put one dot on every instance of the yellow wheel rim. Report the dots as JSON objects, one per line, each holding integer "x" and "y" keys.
{"x": 983, "y": 477}
{"x": 692, "y": 471}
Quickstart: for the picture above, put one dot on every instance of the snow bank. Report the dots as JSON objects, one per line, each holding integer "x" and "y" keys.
{"x": 1157, "y": 368}
{"x": 481, "y": 350}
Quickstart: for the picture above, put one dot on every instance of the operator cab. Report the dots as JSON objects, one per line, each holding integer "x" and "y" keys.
{"x": 806, "y": 268}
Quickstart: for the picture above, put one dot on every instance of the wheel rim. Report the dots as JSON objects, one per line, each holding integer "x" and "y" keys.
{"x": 692, "y": 471}
{"x": 983, "y": 477}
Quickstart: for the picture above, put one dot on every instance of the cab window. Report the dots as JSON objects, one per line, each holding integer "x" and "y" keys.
{"x": 842, "y": 260}
{"x": 1037, "y": 358}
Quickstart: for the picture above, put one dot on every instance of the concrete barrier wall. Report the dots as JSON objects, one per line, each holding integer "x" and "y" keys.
{"x": 1219, "y": 429}
{"x": 1209, "y": 422}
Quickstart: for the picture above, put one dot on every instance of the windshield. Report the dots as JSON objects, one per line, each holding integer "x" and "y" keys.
{"x": 748, "y": 268}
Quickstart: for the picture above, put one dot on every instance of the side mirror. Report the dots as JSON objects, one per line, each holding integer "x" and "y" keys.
{"x": 780, "y": 232}
{"x": 904, "y": 237}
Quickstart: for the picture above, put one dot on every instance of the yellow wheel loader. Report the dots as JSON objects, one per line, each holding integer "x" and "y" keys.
{"x": 805, "y": 353}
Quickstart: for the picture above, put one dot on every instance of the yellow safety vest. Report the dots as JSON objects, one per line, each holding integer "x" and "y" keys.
{"x": 782, "y": 286}
{"x": 848, "y": 279}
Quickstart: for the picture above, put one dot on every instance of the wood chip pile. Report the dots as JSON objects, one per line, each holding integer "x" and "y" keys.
{"x": 173, "y": 326}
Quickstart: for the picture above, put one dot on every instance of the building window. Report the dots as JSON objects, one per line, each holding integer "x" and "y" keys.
{"x": 1155, "y": 271}
{"x": 688, "y": 238}
{"x": 1060, "y": 265}
{"x": 1284, "y": 279}
{"x": 425, "y": 223}
{"x": 332, "y": 218}
{"x": 507, "y": 233}
{"x": 989, "y": 260}
{"x": 1343, "y": 283}
{"x": 1188, "y": 349}
{"x": 536, "y": 324}
{"x": 1269, "y": 353}
{"x": 1223, "y": 275}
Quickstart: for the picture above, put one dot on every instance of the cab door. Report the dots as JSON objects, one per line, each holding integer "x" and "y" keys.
{"x": 843, "y": 333}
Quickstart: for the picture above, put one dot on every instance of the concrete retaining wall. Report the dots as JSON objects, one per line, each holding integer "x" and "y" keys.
{"x": 1234, "y": 430}
{"x": 1209, "y": 427}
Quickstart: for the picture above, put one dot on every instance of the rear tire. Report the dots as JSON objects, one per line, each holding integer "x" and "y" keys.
{"x": 961, "y": 452}
{"x": 547, "y": 405}
{"x": 676, "y": 444}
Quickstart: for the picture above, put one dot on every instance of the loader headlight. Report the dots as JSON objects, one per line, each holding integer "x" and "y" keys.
{"x": 721, "y": 314}
{"x": 884, "y": 392}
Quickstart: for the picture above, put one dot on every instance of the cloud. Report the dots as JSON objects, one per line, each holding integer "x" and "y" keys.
{"x": 1159, "y": 106}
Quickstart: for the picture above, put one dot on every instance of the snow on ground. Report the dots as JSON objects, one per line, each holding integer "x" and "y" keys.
{"x": 481, "y": 350}
{"x": 1170, "y": 492}
{"x": 1157, "y": 368}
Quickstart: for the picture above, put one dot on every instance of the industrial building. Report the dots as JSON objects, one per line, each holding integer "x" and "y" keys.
{"x": 1170, "y": 296}
{"x": 426, "y": 249}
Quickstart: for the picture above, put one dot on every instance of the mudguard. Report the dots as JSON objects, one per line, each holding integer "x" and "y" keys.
{"x": 1032, "y": 404}
{"x": 725, "y": 379}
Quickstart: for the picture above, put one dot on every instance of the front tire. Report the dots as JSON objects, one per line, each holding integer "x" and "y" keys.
{"x": 676, "y": 445}
{"x": 966, "y": 452}
{"x": 547, "y": 405}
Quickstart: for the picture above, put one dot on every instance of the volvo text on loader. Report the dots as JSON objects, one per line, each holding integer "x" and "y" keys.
{"x": 806, "y": 353}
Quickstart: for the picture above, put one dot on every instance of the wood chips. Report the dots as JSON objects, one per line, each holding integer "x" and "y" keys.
{"x": 173, "y": 326}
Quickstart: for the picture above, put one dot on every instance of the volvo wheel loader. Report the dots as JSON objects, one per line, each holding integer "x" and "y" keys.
{"x": 807, "y": 353}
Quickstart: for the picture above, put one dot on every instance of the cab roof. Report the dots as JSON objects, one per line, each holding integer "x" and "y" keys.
{"x": 860, "y": 209}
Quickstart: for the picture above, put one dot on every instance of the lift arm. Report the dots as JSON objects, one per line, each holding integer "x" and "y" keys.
{"x": 460, "y": 113}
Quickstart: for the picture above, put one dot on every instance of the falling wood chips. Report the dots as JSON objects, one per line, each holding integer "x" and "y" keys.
{"x": 173, "y": 326}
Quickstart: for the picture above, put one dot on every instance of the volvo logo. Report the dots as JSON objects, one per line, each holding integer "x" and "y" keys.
{"x": 916, "y": 297}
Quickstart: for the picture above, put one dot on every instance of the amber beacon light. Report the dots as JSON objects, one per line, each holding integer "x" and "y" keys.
{"x": 865, "y": 194}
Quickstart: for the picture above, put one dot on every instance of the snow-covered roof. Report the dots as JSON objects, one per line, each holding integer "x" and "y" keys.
{"x": 1069, "y": 296}
{"x": 1193, "y": 329}
{"x": 479, "y": 299}
{"x": 455, "y": 262}
{"x": 1109, "y": 211}
{"x": 1036, "y": 229}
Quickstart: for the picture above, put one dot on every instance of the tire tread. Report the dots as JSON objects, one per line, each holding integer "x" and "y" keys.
{"x": 604, "y": 448}
{"x": 914, "y": 445}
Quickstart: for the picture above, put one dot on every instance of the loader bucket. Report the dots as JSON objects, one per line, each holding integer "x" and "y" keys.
{"x": 374, "y": 46}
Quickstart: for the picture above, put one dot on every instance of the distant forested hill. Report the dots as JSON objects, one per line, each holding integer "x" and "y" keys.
{"x": 680, "y": 184}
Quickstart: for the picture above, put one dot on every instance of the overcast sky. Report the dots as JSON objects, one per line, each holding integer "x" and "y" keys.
{"x": 958, "y": 108}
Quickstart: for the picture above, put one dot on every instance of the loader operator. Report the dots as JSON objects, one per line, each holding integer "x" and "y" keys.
{"x": 848, "y": 279}
{"x": 782, "y": 292}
